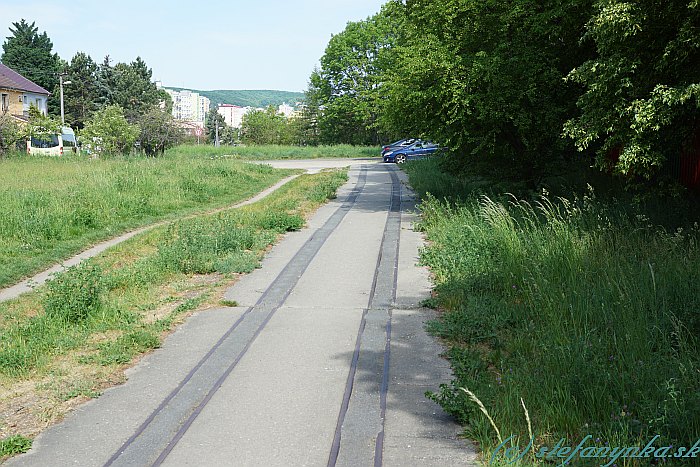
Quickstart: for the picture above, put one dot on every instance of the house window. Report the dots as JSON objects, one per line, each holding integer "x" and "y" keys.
{"x": 5, "y": 103}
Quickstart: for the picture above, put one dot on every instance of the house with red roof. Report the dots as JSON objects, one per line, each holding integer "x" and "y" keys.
{"x": 18, "y": 94}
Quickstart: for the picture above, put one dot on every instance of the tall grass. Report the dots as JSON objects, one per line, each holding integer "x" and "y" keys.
{"x": 52, "y": 207}
{"x": 584, "y": 309}
{"x": 270, "y": 152}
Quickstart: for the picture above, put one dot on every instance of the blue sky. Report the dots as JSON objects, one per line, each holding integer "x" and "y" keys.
{"x": 235, "y": 44}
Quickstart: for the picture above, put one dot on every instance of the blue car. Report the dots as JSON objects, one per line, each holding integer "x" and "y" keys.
{"x": 402, "y": 143}
{"x": 418, "y": 150}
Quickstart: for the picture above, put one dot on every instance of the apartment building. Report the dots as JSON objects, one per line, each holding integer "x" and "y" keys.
{"x": 189, "y": 106}
{"x": 233, "y": 114}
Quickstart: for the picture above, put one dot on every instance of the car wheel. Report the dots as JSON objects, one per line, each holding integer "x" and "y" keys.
{"x": 400, "y": 158}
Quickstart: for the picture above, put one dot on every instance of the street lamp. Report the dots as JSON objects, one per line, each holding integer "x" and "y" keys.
{"x": 61, "y": 82}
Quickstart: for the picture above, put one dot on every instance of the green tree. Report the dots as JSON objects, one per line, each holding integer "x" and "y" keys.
{"x": 31, "y": 54}
{"x": 133, "y": 90}
{"x": 265, "y": 127}
{"x": 487, "y": 79}
{"x": 308, "y": 125}
{"x": 81, "y": 96}
{"x": 213, "y": 119}
{"x": 165, "y": 102}
{"x": 347, "y": 86}
{"x": 105, "y": 82}
{"x": 158, "y": 132}
{"x": 229, "y": 136}
{"x": 642, "y": 89}
{"x": 109, "y": 133}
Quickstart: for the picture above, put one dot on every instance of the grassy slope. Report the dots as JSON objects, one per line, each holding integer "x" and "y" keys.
{"x": 272, "y": 152}
{"x": 54, "y": 207}
{"x": 74, "y": 336}
{"x": 586, "y": 310}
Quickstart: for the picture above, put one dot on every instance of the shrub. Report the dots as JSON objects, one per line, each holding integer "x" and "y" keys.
{"x": 280, "y": 221}
{"x": 74, "y": 294}
{"x": 108, "y": 132}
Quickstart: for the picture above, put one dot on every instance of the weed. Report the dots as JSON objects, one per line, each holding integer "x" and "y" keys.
{"x": 80, "y": 389}
{"x": 14, "y": 445}
{"x": 125, "y": 347}
{"x": 189, "y": 304}
{"x": 241, "y": 262}
{"x": 281, "y": 221}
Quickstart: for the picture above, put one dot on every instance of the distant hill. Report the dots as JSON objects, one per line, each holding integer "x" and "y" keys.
{"x": 244, "y": 98}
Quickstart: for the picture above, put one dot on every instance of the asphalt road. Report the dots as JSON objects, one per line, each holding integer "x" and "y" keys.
{"x": 324, "y": 362}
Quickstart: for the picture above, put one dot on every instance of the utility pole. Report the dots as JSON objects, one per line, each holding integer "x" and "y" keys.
{"x": 216, "y": 139}
{"x": 61, "y": 83}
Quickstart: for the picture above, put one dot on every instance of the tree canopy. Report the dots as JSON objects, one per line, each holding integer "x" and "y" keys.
{"x": 347, "y": 85}
{"x": 641, "y": 94}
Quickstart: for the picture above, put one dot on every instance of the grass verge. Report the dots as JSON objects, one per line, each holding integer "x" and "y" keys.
{"x": 271, "y": 152}
{"x": 581, "y": 306}
{"x": 72, "y": 338}
{"x": 54, "y": 207}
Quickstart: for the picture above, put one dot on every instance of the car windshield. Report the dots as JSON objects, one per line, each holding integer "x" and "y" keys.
{"x": 45, "y": 141}
{"x": 402, "y": 142}
{"x": 69, "y": 139}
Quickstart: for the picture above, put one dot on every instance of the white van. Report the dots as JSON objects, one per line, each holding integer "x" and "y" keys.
{"x": 53, "y": 144}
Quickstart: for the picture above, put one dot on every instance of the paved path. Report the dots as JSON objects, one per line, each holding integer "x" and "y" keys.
{"x": 324, "y": 362}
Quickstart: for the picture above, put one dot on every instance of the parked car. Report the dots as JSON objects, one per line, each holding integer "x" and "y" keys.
{"x": 402, "y": 143}
{"x": 53, "y": 144}
{"x": 419, "y": 149}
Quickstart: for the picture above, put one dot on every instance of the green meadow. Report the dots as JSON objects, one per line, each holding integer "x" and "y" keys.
{"x": 271, "y": 152}
{"x": 51, "y": 208}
